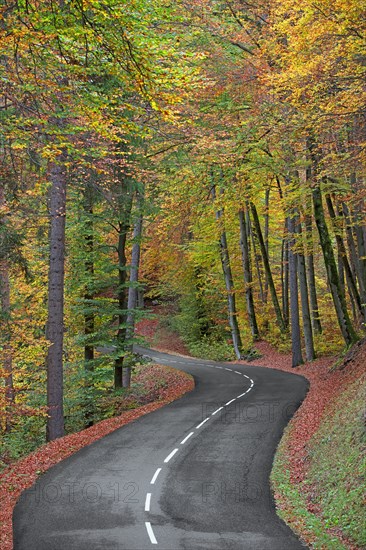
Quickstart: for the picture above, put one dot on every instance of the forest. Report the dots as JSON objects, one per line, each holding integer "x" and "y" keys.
{"x": 208, "y": 155}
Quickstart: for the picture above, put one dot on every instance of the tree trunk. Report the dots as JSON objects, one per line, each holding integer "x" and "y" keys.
{"x": 314, "y": 308}
{"x": 294, "y": 299}
{"x": 122, "y": 303}
{"x": 89, "y": 317}
{"x": 285, "y": 277}
{"x": 7, "y": 355}
{"x": 266, "y": 239}
{"x": 343, "y": 256}
{"x": 132, "y": 302}
{"x": 126, "y": 200}
{"x": 55, "y": 322}
{"x": 356, "y": 265}
{"x": 267, "y": 268}
{"x": 344, "y": 322}
{"x": 229, "y": 283}
{"x": 248, "y": 281}
{"x": 306, "y": 317}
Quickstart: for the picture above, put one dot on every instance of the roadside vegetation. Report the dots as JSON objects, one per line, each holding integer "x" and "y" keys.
{"x": 318, "y": 475}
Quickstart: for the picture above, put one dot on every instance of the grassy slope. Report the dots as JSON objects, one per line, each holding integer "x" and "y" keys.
{"x": 326, "y": 510}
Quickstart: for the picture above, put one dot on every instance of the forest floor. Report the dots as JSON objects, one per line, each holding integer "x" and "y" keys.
{"x": 320, "y": 500}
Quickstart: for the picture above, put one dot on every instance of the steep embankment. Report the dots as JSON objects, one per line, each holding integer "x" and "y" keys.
{"x": 318, "y": 474}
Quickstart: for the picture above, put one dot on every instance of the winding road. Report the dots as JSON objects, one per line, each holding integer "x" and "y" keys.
{"x": 192, "y": 475}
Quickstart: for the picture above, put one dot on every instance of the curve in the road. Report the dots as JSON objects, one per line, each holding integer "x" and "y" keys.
{"x": 193, "y": 475}
{"x": 148, "y": 525}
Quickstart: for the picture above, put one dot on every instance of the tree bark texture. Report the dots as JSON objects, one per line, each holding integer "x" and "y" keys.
{"x": 339, "y": 301}
{"x": 55, "y": 322}
{"x": 304, "y": 294}
{"x": 248, "y": 281}
{"x": 132, "y": 301}
{"x": 297, "y": 358}
{"x": 267, "y": 268}
{"x": 229, "y": 283}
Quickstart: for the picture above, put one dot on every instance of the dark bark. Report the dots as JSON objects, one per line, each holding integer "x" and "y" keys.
{"x": 122, "y": 303}
{"x": 55, "y": 322}
{"x": 314, "y": 308}
{"x": 344, "y": 259}
{"x": 126, "y": 200}
{"x": 266, "y": 239}
{"x": 89, "y": 316}
{"x": 355, "y": 263}
{"x": 267, "y": 268}
{"x": 132, "y": 301}
{"x": 248, "y": 281}
{"x": 229, "y": 283}
{"x": 359, "y": 225}
{"x": 305, "y": 308}
{"x": 339, "y": 301}
{"x": 294, "y": 298}
{"x": 285, "y": 277}
{"x": 5, "y": 310}
{"x": 257, "y": 263}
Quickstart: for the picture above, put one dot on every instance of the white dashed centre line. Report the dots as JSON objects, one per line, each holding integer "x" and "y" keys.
{"x": 150, "y": 533}
{"x": 147, "y": 502}
{"x": 186, "y": 438}
{"x": 202, "y": 423}
{"x": 170, "y": 456}
{"x": 155, "y": 476}
{"x": 229, "y": 402}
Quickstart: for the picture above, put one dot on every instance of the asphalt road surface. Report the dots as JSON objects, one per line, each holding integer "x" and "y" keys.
{"x": 192, "y": 475}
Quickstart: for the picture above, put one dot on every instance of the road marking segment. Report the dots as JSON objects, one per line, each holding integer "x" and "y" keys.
{"x": 201, "y": 424}
{"x": 147, "y": 502}
{"x": 229, "y": 402}
{"x": 187, "y": 437}
{"x": 166, "y": 460}
{"x": 150, "y": 533}
{"x": 155, "y": 476}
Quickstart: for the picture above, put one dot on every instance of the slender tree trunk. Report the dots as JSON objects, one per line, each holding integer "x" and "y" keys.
{"x": 55, "y": 322}
{"x": 294, "y": 298}
{"x": 266, "y": 239}
{"x": 122, "y": 303}
{"x": 257, "y": 262}
{"x": 285, "y": 277}
{"x": 248, "y": 281}
{"x": 132, "y": 301}
{"x": 229, "y": 283}
{"x": 344, "y": 322}
{"x": 360, "y": 230}
{"x": 344, "y": 259}
{"x": 314, "y": 308}
{"x": 305, "y": 309}
{"x": 89, "y": 317}
{"x": 267, "y": 268}
{"x": 5, "y": 310}
{"x": 355, "y": 260}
